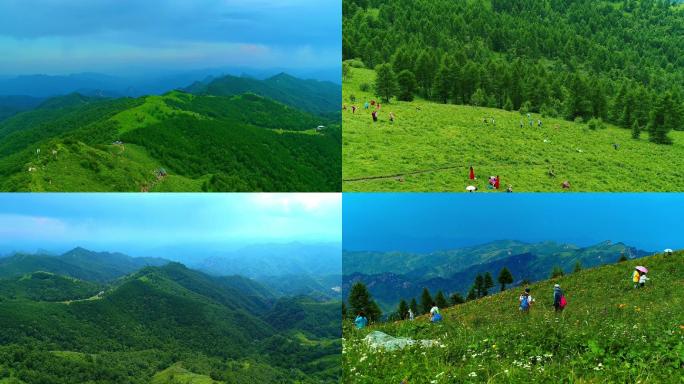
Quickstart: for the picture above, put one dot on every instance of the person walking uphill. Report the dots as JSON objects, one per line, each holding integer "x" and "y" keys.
{"x": 361, "y": 321}
{"x": 559, "y": 301}
{"x": 435, "y": 316}
{"x": 526, "y": 301}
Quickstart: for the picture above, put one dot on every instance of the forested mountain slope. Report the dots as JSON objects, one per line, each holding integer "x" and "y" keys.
{"x": 174, "y": 142}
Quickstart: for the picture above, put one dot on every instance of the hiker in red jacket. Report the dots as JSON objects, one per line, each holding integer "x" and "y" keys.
{"x": 496, "y": 182}
{"x": 472, "y": 174}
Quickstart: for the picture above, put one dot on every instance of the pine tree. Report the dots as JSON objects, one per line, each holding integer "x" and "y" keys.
{"x": 479, "y": 285}
{"x": 403, "y": 309}
{"x": 557, "y": 272}
{"x": 440, "y": 300}
{"x": 622, "y": 257}
{"x": 425, "y": 70}
{"x": 479, "y": 98}
{"x": 425, "y": 301}
{"x": 472, "y": 294}
{"x": 578, "y": 266}
{"x": 344, "y": 310}
{"x": 407, "y": 85}
{"x": 488, "y": 283}
{"x": 505, "y": 277}
{"x": 385, "y": 82}
{"x": 414, "y": 306}
{"x": 346, "y": 71}
{"x": 636, "y": 131}
{"x": 443, "y": 84}
{"x": 456, "y": 299}
{"x": 660, "y": 122}
{"x": 360, "y": 300}
{"x": 508, "y": 105}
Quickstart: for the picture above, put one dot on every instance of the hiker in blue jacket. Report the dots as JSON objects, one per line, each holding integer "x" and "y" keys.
{"x": 526, "y": 301}
{"x": 558, "y": 298}
{"x": 361, "y": 321}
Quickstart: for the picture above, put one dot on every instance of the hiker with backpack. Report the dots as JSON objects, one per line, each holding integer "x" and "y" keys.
{"x": 642, "y": 280}
{"x": 411, "y": 315}
{"x": 361, "y": 321}
{"x": 391, "y": 117}
{"x": 559, "y": 301}
{"x": 526, "y": 301}
{"x": 435, "y": 316}
{"x": 375, "y": 116}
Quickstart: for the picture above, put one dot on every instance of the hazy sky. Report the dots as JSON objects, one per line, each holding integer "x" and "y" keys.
{"x": 132, "y": 223}
{"x": 426, "y": 222}
{"x": 120, "y": 36}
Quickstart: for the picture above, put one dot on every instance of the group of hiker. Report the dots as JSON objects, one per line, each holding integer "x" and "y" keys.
{"x": 493, "y": 183}
{"x": 525, "y": 300}
{"x": 374, "y": 113}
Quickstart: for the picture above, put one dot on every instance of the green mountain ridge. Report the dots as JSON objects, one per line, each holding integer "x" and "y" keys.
{"x": 174, "y": 142}
{"x": 155, "y": 321}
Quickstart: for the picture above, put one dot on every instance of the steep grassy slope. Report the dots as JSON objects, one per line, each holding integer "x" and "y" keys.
{"x": 455, "y": 270}
{"x": 431, "y": 146}
{"x": 174, "y": 142}
{"x": 609, "y": 332}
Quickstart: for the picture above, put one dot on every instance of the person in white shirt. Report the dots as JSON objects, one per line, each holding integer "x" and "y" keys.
{"x": 642, "y": 280}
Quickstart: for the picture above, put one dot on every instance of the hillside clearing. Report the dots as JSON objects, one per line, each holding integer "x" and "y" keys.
{"x": 431, "y": 146}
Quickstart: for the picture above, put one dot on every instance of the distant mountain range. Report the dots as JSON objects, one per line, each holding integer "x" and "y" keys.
{"x": 149, "y": 318}
{"x": 235, "y": 134}
{"x": 391, "y": 276}
{"x": 45, "y": 86}
{"x": 278, "y": 270}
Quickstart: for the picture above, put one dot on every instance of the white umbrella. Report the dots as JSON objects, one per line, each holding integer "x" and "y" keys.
{"x": 471, "y": 188}
{"x": 668, "y": 250}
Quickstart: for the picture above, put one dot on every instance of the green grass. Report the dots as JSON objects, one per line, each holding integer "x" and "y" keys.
{"x": 80, "y": 167}
{"x": 176, "y": 374}
{"x": 431, "y": 146}
{"x": 153, "y": 110}
{"x": 609, "y": 333}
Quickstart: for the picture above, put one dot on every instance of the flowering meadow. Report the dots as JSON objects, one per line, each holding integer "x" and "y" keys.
{"x": 609, "y": 332}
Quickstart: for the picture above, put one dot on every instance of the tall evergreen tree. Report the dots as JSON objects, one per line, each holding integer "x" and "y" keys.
{"x": 414, "y": 306}
{"x": 407, "y": 85}
{"x": 636, "y": 131}
{"x": 479, "y": 285}
{"x": 425, "y": 301}
{"x": 488, "y": 283}
{"x": 557, "y": 272}
{"x": 402, "y": 310}
{"x": 360, "y": 300}
{"x": 661, "y": 122}
{"x": 472, "y": 294}
{"x": 505, "y": 277}
{"x": 578, "y": 266}
{"x": 386, "y": 85}
{"x": 440, "y": 300}
{"x": 456, "y": 299}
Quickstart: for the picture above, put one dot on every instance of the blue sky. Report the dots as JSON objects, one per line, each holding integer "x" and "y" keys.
{"x": 120, "y": 36}
{"x": 428, "y": 222}
{"x": 140, "y": 223}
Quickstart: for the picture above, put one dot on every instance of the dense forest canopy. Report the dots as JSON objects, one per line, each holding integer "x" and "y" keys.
{"x": 620, "y": 61}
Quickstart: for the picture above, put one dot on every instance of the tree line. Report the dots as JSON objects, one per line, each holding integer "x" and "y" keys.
{"x": 617, "y": 61}
{"x": 360, "y": 299}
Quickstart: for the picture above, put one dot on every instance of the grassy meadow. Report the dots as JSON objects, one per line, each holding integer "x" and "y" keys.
{"x": 608, "y": 333}
{"x": 431, "y": 146}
